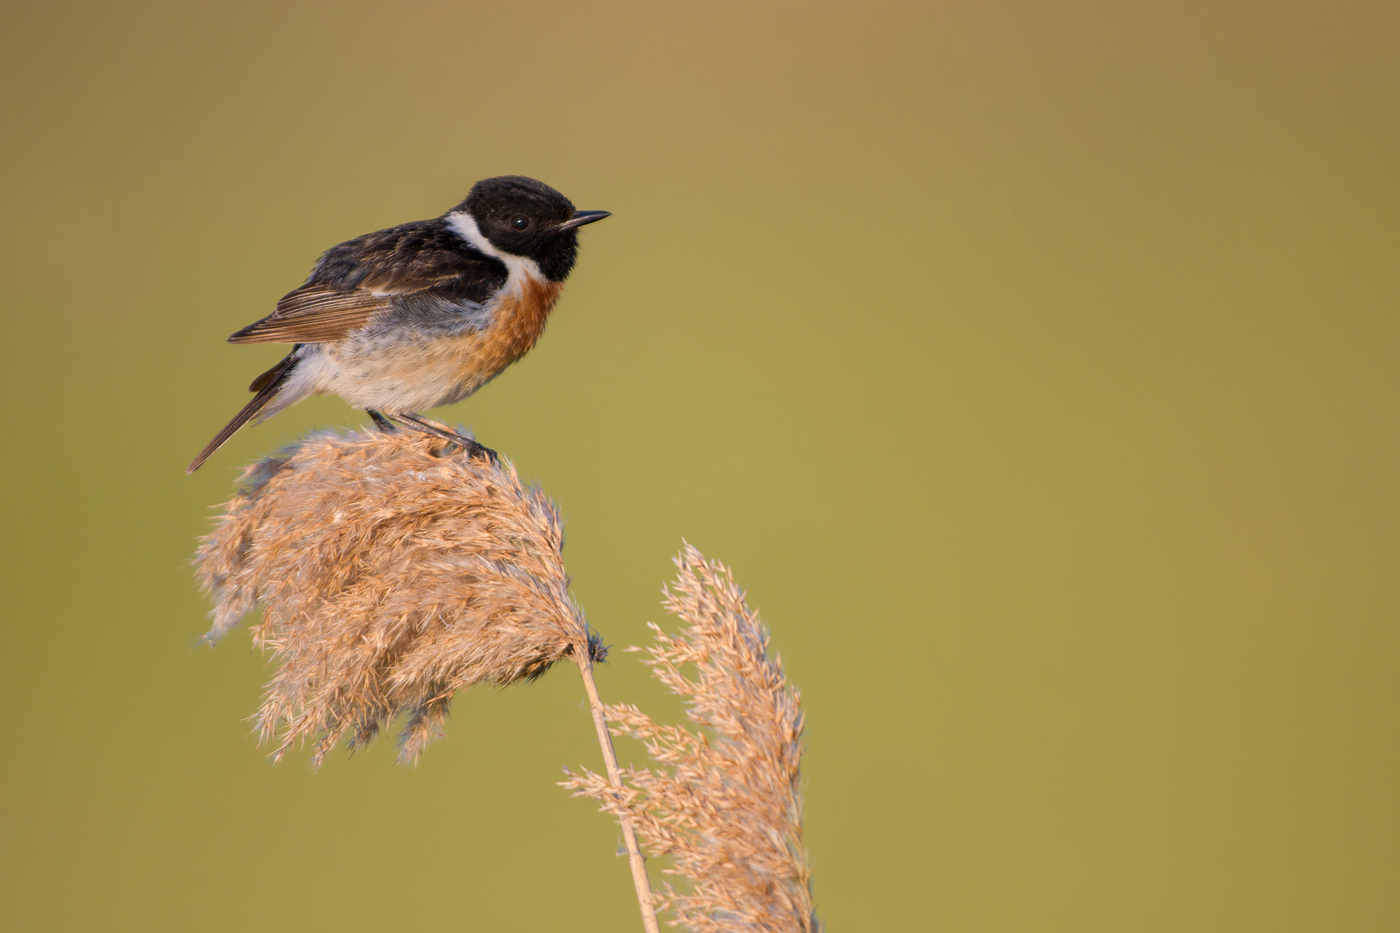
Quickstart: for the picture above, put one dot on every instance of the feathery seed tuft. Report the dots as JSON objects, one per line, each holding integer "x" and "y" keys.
{"x": 392, "y": 571}
{"x": 725, "y": 801}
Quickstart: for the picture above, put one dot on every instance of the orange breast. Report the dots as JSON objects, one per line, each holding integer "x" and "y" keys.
{"x": 520, "y": 320}
{"x": 475, "y": 359}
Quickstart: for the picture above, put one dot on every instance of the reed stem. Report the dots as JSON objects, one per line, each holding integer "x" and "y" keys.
{"x": 629, "y": 835}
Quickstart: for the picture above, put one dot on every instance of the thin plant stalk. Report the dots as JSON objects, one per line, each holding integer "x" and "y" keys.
{"x": 629, "y": 835}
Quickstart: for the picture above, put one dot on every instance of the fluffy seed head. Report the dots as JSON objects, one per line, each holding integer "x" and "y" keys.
{"x": 724, "y": 801}
{"x": 392, "y": 572}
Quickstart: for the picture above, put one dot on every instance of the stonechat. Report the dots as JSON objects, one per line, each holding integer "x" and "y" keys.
{"x": 422, "y": 314}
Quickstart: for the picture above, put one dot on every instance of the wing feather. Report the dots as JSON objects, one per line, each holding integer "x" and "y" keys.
{"x": 314, "y": 314}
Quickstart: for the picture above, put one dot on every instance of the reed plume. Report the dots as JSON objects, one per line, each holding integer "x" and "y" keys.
{"x": 725, "y": 801}
{"x": 392, "y": 571}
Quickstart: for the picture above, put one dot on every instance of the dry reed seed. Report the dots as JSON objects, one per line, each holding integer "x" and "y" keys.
{"x": 724, "y": 802}
{"x": 390, "y": 577}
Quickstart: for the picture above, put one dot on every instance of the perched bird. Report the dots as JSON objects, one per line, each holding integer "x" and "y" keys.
{"x": 422, "y": 314}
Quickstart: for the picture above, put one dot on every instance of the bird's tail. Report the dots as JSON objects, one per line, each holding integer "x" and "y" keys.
{"x": 266, "y": 386}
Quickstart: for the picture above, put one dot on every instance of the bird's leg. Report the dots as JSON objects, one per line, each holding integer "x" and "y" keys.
{"x": 380, "y": 422}
{"x": 429, "y": 426}
{"x": 438, "y": 429}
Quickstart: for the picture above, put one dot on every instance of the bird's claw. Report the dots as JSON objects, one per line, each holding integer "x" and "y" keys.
{"x": 477, "y": 451}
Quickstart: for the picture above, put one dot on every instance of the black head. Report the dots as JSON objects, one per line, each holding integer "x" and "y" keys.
{"x": 524, "y": 217}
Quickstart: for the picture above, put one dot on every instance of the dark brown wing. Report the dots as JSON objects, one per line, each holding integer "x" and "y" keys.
{"x": 314, "y": 314}
{"x": 360, "y": 278}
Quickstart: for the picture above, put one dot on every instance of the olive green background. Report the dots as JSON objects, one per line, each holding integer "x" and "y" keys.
{"x": 1033, "y": 366}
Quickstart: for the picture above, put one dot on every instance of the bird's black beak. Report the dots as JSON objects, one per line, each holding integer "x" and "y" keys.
{"x": 580, "y": 218}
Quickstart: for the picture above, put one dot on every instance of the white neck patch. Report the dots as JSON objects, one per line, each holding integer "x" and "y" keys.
{"x": 518, "y": 266}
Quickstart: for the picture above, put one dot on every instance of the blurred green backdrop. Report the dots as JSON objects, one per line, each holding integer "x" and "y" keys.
{"x": 1034, "y": 366}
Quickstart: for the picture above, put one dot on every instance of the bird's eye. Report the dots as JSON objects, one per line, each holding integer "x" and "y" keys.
{"x": 520, "y": 221}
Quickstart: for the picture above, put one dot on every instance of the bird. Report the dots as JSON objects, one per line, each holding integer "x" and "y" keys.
{"x": 422, "y": 314}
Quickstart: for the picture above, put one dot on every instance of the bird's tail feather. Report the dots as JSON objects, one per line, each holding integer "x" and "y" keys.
{"x": 267, "y": 386}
